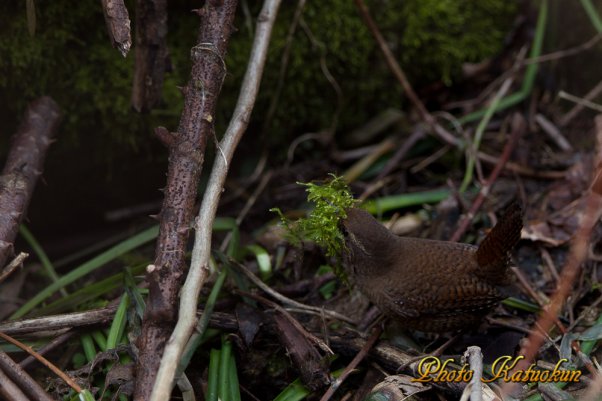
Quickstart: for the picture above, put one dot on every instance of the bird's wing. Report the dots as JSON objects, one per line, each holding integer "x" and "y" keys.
{"x": 469, "y": 295}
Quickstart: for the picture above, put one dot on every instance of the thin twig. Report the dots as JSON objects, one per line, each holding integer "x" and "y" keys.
{"x": 328, "y": 75}
{"x": 48, "y": 347}
{"x": 553, "y": 132}
{"x": 527, "y": 287}
{"x": 401, "y": 77}
{"x": 204, "y": 221}
{"x": 287, "y": 301}
{"x": 353, "y": 364}
{"x": 248, "y": 205}
{"x": 13, "y": 265}
{"x": 523, "y": 170}
{"x": 518, "y": 127}
{"x": 567, "y": 52}
{"x": 65, "y": 377}
{"x": 572, "y": 113}
{"x": 417, "y": 135}
{"x": 359, "y": 167}
{"x": 58, "y": 322}
{"x": 314, "y": 339}
{"x": 547, "y": 258}
{"x": 274, "y": 101}
{"x": 472, "y": 149}
{"x": 583, "y": 102}
{"x": 576, "y": 257}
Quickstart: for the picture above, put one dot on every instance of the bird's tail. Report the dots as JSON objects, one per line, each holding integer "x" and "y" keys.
{"x": 493, "y": 253}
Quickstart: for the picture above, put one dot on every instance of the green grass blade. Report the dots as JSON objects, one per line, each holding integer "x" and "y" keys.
{"x": 39, "y": 251}
{"x": 224, "y": 224}
{"x": 88, "y": 293}
{"x": 213, "y": 375}
{"x": 86, "y": 395}
{"x": 592, "y": 14}
{"x": 386, "y": 203}
{"x": 93, "y": 264}
{"x": 88, "y": 346}
{"x": 100, "y": 339}
{"x": 263, "y": 260}
{"x": 295, "y": 391}
{"x": 134, "y": 292}
{"x": 223, "y": 389}
{"x": 234, "y": 394}
{"x": 519, "y": 304}
{"x": 119, "y": 322}
{"x": 478, "y": 136}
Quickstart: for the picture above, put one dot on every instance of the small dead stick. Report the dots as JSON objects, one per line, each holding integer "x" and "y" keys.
{"x": 66, "y": 378}
{"x": 518, "y": 127}
{"x": 401, "y": 153}
{"x": 13, "y": 265}
{"x": 291, "y": 302}
{"x": 577, "y": 255}
{"x": 524, "y": 281}
{"x": 401, "y": 77}
{"x": 56, "y": 342}
{"x": 298, "y": 343}
{"x": 24, "y": 165}
{"x": 353, "y": 364}
{"x": 523, "y": 170}
{"x": 9, "y": 390}
{"x": 59, "y": 322}
{"x": 290, "y": 318}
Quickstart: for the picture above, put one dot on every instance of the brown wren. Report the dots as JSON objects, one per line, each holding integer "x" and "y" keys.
{"x": 432, "y": 286}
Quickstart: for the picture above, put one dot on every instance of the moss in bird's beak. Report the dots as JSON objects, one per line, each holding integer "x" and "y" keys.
{"x": 331, "y": 199}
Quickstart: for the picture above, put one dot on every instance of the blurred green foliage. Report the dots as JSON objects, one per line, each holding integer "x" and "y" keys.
{"x": 70, "y": 58}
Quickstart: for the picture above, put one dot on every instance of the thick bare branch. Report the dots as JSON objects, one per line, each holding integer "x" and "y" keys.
{"x": 204, "y": 222}
{"x": 151, "y": 53}
{"x": 23, "y": 167}
{"x": 185, "y": 164}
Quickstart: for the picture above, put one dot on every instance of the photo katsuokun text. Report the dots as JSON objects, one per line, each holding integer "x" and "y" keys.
{"x": 433, "y": 369}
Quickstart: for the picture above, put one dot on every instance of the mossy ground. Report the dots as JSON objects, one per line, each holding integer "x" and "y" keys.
{"x": 70, "y": 58}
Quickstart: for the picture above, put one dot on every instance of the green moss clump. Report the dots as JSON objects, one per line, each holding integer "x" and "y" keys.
{"x": 438, "y": 36}
{"x": 331, "y": 200}
{"x": 70, "y": 58}
{"x": 431, "y": 39}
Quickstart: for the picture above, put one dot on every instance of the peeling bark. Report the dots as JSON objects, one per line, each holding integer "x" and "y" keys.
{"x": 186, "y": 150}
{"x": 23, "y": 167}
